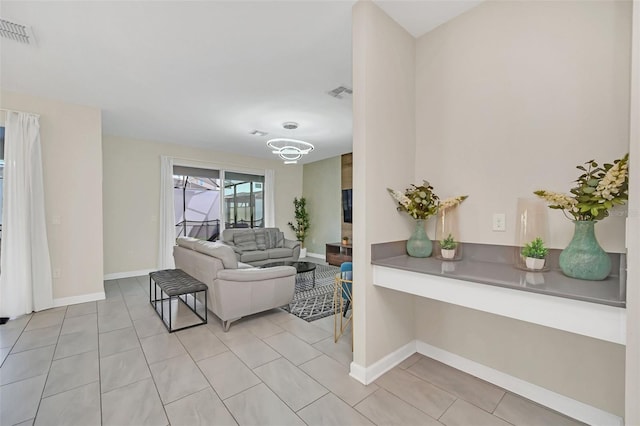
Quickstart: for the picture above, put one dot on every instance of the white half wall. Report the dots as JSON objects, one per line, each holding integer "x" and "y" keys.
{"x": 383, "y": 151}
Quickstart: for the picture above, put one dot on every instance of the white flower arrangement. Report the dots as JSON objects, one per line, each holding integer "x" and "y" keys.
{"x": 452, "y": 202}
{"x": 598, "y": 189}
{"x": 421, "y": 202}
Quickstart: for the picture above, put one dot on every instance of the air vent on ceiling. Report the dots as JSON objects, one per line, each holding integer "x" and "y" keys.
{"x": 338, "y": 92}
{"x": 16, "y": 32}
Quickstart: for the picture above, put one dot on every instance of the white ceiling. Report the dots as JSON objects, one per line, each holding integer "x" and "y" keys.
{"x": 202, "y": 73}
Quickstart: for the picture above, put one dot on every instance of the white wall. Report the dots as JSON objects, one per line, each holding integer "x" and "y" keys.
{"x": 132, "y": 196}
{"x": 321, "y": 188}
{"x": 72, "y": 164}
{"x": 511, "y": 96}
{"x": 383, "y": 149}
{"x": 632, "y": 382}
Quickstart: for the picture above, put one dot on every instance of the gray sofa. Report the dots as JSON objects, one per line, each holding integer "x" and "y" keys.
{"x": 260, "y": 246}
{"x": 235, "y": 289}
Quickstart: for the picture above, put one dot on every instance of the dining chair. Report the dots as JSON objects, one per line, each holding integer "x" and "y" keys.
{"x": 342, "y": 300}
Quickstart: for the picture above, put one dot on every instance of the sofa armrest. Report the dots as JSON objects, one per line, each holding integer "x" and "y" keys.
{"x": 291, "y": 244}
{"x": 256, "y": 274}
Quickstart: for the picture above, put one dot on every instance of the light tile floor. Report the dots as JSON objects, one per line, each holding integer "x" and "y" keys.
{"x": 113, "y": 363}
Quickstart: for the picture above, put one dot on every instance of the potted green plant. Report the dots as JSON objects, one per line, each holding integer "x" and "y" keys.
{"x": 301, "y": 227}
{"x": 448, "y": 247}
{"x": 345, "y": 241}
{"x": 535, "y": 253}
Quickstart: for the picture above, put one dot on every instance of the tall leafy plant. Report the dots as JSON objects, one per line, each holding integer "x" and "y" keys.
{"x": 301, "y": 227}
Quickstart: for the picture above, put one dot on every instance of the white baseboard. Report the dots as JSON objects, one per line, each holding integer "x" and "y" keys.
{"x": 127, "y": 274}
{"x": 74, "y": 300}
{"x": 565, "y": 405}
{"x": 366, "y": 375}
{"x": 317, "y": 255}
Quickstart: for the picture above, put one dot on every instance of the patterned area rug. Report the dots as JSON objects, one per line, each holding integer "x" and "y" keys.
{"x": 311, "y": 303}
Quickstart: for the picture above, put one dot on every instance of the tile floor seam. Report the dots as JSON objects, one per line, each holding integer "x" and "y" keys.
{"x": 70, "y": 389}
{"x": 205, "y": 376}
{"x": 35, "y": 416}
{"x": 69, "y": 356}
{"x": 450, "y": 392}
{"x": 501, "y": 398}
{"x": 303, "y": 372}
{"x": 244, "y": 390}
{"x": 99, "y": 368}
{"x": 417, "y": 407}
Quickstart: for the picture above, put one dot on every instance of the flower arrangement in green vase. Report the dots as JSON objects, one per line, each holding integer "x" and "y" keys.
{"x": 597, "y": 189}
{"x": 420, "y": 202}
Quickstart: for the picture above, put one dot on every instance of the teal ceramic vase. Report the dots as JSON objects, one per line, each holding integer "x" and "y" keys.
{"x": 419, "y": 244}
{"x": 584, "y": 258}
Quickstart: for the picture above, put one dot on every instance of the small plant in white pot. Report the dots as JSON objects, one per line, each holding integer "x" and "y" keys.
{"x": 535, "y": 253}
{"x": 448, "y": 247}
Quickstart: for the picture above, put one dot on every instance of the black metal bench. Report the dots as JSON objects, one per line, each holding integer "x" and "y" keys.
{"x": 178, "y": 285}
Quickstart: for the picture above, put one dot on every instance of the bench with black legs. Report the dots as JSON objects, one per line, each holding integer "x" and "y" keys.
{"x": 176, "y": 285}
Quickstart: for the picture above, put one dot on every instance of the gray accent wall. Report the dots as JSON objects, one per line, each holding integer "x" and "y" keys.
{"x": 321, "y": 188}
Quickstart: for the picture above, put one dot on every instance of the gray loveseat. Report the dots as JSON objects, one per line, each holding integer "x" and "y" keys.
{"x": 260, "y": 246}
{"x": 235, "y": 289}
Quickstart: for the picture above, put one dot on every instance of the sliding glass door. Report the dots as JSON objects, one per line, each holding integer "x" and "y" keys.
{"x": 243, "y": 200}
{"x": 197, "y": 202}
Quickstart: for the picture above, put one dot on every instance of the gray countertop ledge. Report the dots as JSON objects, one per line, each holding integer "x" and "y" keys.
{"x": 493, "y": 265}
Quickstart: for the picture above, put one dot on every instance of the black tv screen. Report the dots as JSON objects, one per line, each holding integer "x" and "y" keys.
{"x": 346, "y": 205}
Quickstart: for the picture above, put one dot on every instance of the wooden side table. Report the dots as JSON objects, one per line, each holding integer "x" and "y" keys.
{"x": 337, "y": 253}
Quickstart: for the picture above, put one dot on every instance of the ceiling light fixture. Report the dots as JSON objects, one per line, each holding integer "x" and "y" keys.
{"x": 289, "y": 150}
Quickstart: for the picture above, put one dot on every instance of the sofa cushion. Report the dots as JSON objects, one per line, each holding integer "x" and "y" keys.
{"x": 271, "y": 237}
{"x": 261, "y": 239}
{"x": 187, "y": 242}
{"x": 220, "y": 251}
{"x": 279, "y": 253}
{"x": 253, "y": 256}
{"x": 246, "y": 240}
{"x": 280, "y": 240}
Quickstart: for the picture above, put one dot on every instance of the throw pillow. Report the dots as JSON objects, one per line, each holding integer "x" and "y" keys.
{"x": 272, "y": 237}
{"x": 246, "y": 240}
{"x": 280, "y": 242}
{"x": 261, "y": 239}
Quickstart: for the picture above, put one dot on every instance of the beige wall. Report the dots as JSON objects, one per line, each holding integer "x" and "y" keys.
{"x": 511, "y": 96}
{"x": 585, "y": 369}
{"x": 321, "y": 188}
{"x": 503, "y": 112}
{"x": 72, "y": 164}
{"x": 132, "y": 196}
{"x": 383, "y": 150}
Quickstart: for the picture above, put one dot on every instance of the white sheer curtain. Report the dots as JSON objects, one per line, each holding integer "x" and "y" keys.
{"x": 167, "y": 215}
{"x": 25, "y": 277}
{"x": 269, "y": 198}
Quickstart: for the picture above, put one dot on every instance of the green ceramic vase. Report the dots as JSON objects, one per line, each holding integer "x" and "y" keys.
{"x": 419, "y": 244}
{"x": 584, "y": 258}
